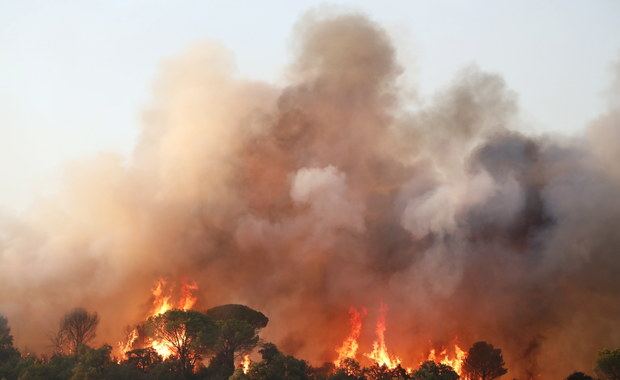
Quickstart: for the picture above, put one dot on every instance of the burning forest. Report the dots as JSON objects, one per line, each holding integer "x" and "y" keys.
{"x": 368, "y": 226}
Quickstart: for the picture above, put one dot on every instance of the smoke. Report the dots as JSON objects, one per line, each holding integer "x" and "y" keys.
{"x": 331, "y": 192}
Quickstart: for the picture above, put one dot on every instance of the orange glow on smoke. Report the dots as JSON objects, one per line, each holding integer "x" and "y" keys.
{"x": 379, "y": 352}
{"x": 349, "y": 347}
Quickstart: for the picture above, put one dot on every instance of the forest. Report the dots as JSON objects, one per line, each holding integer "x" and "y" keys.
{"x": 215, "y": 344}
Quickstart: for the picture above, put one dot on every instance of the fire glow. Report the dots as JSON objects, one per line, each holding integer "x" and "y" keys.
{"x": 162, "y": 296}
{"x": 380, "y": 354}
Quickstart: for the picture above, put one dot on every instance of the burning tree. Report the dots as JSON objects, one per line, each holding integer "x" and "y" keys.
{"x": 77, "y": 327}
{"x": 187, "y": 335}
{"x": 484, "y": 362}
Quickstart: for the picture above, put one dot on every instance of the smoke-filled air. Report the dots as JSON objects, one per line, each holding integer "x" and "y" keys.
{"x": 338, "y": 197}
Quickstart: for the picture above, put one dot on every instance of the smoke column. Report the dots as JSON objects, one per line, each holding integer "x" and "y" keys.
{"x": 335, "y": 192}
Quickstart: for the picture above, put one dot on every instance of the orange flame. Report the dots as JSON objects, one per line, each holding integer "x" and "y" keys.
{"x": 245, "y": 364}
{"x": 456, "y": 362}
{"x": 188, "y": 300}
{"x": 349, "y": 346}
{"x": 379, "y": 353}
{"x": 126, "y": 346}
{"x": 161, "y": 304}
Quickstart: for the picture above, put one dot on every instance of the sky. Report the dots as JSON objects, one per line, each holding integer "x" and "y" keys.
{"x": 75, "y": 76}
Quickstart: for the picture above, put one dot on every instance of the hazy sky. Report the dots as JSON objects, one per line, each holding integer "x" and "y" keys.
{"x": 75, "y": 75}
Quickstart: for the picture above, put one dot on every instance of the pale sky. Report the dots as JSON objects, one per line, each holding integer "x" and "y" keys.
{"x": 75, "y": 75}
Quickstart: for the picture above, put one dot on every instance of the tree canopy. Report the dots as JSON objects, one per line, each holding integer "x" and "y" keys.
{"x": 188, "y": 334}
{"x": 608, "y": 364}
{"x": 240, "y": 313}
{"x": 429, "y": 370}
{"x": 77, "y": 327}
{"x": 579, "y": 376}
{"x": 238, "y": 334}
{"x": 484, "y": 362}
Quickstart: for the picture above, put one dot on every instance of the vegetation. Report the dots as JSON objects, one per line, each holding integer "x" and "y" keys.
{"x": 484, "y": 362}
{"x": 77, "y": 327}
{"x": 188, "y": 334}
{"x": 579, "y": 376}
{"x": 608, "y": 365}
{"x": 207, "y": 345}
{"x": 238, "y": 334}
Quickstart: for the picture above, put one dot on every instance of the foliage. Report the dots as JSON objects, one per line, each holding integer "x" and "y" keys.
{"x": 77, "y": 327}
{"x": 9, "y": 355}
{"x": 144, "y": 359}
{"x": 429, "y": 370}
{"x": 239, "y": 313}
{"x": 275, "y": 366}
{"x": 189, "y": 334}
{"x": 484, "y": 362}
{"x": 579, "y": 376}
{"x": 608, "y": 364}
{"x": 59, "y": 367}
{"x": 349, "y": 369}
{"x": 7, "y": 351}
{"x": 238, "y": 334}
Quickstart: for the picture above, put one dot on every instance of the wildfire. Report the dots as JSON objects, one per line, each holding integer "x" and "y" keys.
{"x": 188, "y": 300}
{"x": 350, "y": 345}
{"x": 162, "y": 302}
{"x": 456, "y": 362}
{"x": 129, "y": 341}
{"x": 379, "y": 351}
{"x": 245, "y": 364}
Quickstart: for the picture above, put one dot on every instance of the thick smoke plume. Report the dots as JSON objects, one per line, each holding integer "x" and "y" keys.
{"x": 335, "y": 192}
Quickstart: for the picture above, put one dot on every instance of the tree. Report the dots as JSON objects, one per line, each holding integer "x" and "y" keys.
{"x": 429, "y": 370}
{"x": 608, "y": 364}
{"x": 276, "y": 366}
{"x": 240, "y": 313}
{"x": 9, "y": 355}
{"x": 349, "y": 369}
{"x": 189, "y": 334}
{"x": 7, "y": 350}
{"x": 143, "y": 358}
{"x": 579, "y": 376}
{"x": 238, "y": 334}
{"x": 484, "y": 362}
{"x": 77, "y": 327}
{"x": 93, "y": 364}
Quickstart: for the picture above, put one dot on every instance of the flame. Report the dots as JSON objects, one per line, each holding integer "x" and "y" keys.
{"x": 164, "y": 349}
{"x": 128, "y": 344}
{"x": 379, "y": 352}
{"x": 350, "y": 345}
{"x": 188, "y": 300}
{"x": 456, "y": 362}
{"x": 245, "y": 364}
{"x": 162, "y": 303}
